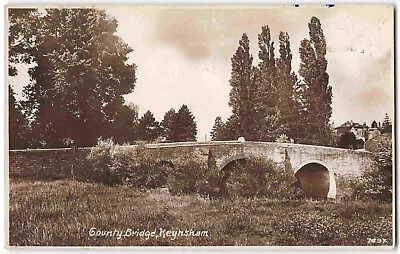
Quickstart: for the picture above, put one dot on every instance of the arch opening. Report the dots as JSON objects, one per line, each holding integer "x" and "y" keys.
{"x": 315, "y": 180}
{"x": 231, "y": 167}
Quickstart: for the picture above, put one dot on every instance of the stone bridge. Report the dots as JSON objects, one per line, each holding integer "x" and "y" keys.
{"x": 314, "y": 166}
{"x": 321, "y": 171}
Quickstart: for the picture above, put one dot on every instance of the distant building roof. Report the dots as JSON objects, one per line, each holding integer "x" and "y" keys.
{"x": 350, "y": 124}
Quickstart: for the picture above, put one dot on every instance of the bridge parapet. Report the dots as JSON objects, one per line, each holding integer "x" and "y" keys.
{"x": 341, "y": 163}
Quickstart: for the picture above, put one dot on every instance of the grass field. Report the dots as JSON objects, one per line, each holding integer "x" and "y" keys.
{"x": 63, "y": 212}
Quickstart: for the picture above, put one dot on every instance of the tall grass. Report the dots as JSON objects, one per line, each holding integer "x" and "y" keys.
{"x": 61, "y": 213}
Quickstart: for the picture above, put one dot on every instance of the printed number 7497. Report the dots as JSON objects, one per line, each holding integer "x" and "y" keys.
{"x": 377, "y": 240}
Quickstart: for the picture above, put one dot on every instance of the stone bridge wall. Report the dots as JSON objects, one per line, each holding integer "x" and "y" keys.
{"x": 342, "y": 164}
{"x": 49, "y": 163}
{"x": 340, "y": 161}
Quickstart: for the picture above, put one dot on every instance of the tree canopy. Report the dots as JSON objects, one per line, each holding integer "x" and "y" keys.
{"x": 148, "y": 129}
{"x": 269, "y": 100}
{"x": 386, "y": 124}
{"x": 244, "y": 88}
{"x": 17, "y": 123}
{"x": 316, "y": 93}
{"x": 80, "y": 73}
{"x": 167, "y": 123}
{"x": 183, "y": 126}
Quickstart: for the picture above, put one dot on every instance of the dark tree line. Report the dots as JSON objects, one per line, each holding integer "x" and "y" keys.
{"x": 179, "y": 126}
{"x": 269, "y": 100}
{"x": 78, "y": 78}
{"x": 175, "y": 127}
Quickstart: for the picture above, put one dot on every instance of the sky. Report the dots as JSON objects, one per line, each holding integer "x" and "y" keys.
{"x": 184, "y": 55}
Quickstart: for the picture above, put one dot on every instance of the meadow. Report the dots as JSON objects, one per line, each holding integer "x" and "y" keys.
{"x": 72, "y": 213}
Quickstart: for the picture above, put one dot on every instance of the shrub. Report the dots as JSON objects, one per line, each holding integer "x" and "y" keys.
{"x": 376, "y": 183}
{"x": 212, "y": 186}
{"x": 101, "y": 157}
{"x": 186, "y": 177}
{"x": 347, "y": 140}
{"x": 260, "y": 177}
{"x": 141, "y": 170}
{"x": 243, "y": 185}
{"x": 246, "y": 178}
{"x": 281, "y": 182}
{"x": 121, "y": 164}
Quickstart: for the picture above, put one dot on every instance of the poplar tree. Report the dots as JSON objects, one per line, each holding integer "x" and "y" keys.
{"x": 244, "y": 88}
{"x": 268, "y": 99}
{"x": 316, "y": 92}
{"x": 286, "y": 89}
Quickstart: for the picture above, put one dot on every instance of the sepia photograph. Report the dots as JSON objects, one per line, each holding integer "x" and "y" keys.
{"x": 200, "y": 125}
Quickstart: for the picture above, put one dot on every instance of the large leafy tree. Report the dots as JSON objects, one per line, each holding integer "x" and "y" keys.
{"x": 166, "y": 124}
{"x": 18, "y": 129}
{"x": 316, "y": 91}
{"x": 23, "y": 26}
{"x": 125, "y": 123}
{"x": 244, "y": 88}
{"x": 183, "y": 127}
{"x": 148, "y": 129}
{"x": 80, "y": 76}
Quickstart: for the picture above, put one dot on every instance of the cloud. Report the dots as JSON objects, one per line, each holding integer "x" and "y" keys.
{"x": 372, "y": 97}
{"x": 183, "y": 53}
{"x": 185, "y": 33}
{"x": 201, "y": 33}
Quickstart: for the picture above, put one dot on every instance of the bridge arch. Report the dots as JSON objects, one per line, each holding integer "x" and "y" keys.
{"x": 231, "y": 159}
{"x": 316, "y": 179}
{"x": 226, "y": 170}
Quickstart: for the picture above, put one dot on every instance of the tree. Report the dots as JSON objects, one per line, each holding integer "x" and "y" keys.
{"x": 124, "y": 125}
{"x": 218, "y": 129}
{"x": 166, "y": 124}
{"x": 80, "y": 75}
{"x": 376, "y": 183}
{"x": 386, "y": 124}
{"x": 267, "y": 96}
{"x": 24, "y": 24}
{"x": 148, "y": 129}
{"x": 347, "y": 140}
{"x": 288, "y": 105}
{"x": 184, "y": 127}
{"x": 232, "y": 128}
{"x": 18, "y": 129}
{"x": 244, "y": 88}
{"x": 316, "y": 93}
